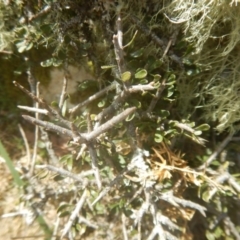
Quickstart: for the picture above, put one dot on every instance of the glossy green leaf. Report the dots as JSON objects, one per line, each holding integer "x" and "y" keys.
{"x": 126, "y": 76}
{"x": 141, "y": 73}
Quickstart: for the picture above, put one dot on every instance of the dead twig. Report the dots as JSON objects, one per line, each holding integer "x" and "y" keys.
{"x": 217, "y": 151}
{"x": 156, "y": 97}
{"x": 92, "y": 98}
{"x": 74, "y": 214}
{"x": 26, "y": 144}
{"x": 63, "y": 172}
{"x": 34, "y": 157}
{"x": 142, "y": 27}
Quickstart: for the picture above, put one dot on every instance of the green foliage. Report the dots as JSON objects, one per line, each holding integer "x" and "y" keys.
{"x": 168, "y": 74}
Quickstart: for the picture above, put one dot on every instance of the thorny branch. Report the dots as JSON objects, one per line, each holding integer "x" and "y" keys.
{"x": 51, "y": 111}
{"x": 142, "y": 27}
{"x": 74, "y": 214}
{"x": 82, "y": 137}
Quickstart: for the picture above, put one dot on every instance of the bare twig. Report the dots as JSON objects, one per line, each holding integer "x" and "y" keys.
{"x": 62, "y": 172}
{"x": 63, "y": 93}
{"x": 169, "y": 197}
{"x": 34, "y": 157}
{"x": 115, "y": 181}
{"x": 142, "y": 27}
{"x": 87, "y": 222}
{"x": 74, "y": 214}
{"x": 92, "y": 98}
{"x": 48, "y": 125}
{"x": 93, "y": 155}
{"x": 6, "y": 52}
{"x": 122, "y": 97}
{"x": 118, "y": 46}
{"x": 234, "y": 183}
{"x": 124, "y": 229}
{"x": 171, "y": 41}
{"x": 217, "y": 151}
{"x": 156, "y": 97}
{"x": 82, "y": 137}
{"x": 113, "y": 107}
{"x": 33, "y": 109}
{"x": 41, "y": 13}
{"x": 25, "y": 143}
{"x": 109, "y": 124}
{"x": 55, "y": 230}
{"x": 191, "y": 130}
{"x": 51, "y": 111}
{"x": 230, "y": 225}
{"x": 95, "y": 168}
{"x": 48, "y": 146}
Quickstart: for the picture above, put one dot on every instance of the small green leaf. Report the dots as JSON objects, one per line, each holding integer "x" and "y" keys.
{"x": 54, "y": 104}
{"x": 56, "y": 62}
{"x": 158, "y": 138}
{"x": 170, "y": 92}
{"x": 144, "y": 81}
{"x": 203, "y": 127}
{"x": 197, "y": 133}
{"x": 64, "y": 108}
{"x": 29, "y": 46}
{"x": 70, "y": 163}
{"x": 47, "y": 63}
{"x": 205, "y": 196}
{"x": 170, "y": 83}
{"x": 210, "y": 236}
{"x": 42, "y": 174}
{"x": 58, "y": 178}
{"x": 130, "y": 117}
{"x": 156, "y": 77}
{"x": 126, "y": 76}
{"x": 63, "y": 205}
{"x": 164, "y": 113}
{"x": 64, "y": 214}
{"x": 65, "y": 158}
{"x": 138, "y": 53}
{"x": 141, "y": 73}
{"x": 135, "y": 103}
{"x": 108, "y": 67}
{"x": 102, "y": 103}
